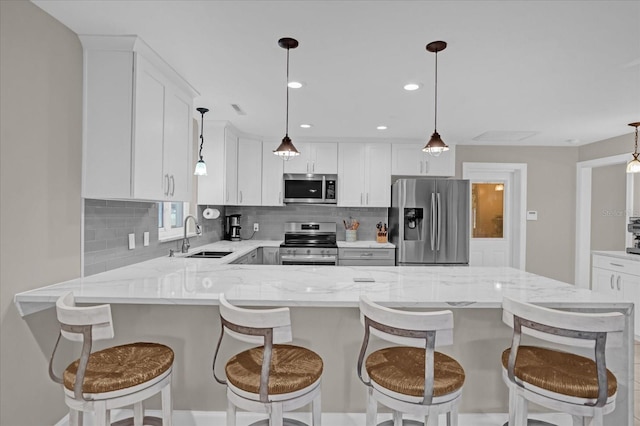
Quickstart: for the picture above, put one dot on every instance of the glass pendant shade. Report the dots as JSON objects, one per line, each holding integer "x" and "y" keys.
{"x": 201, "y": 168}
{"x": 435, "y": 146}
{"x": 634, "y": 165}
{"x": 286, "y": 150}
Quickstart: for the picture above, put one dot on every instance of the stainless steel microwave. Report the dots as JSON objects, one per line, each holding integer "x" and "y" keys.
{"x": 310, "y": 189}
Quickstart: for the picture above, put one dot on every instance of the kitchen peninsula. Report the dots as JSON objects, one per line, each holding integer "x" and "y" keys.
{"x": 173, "y": 300}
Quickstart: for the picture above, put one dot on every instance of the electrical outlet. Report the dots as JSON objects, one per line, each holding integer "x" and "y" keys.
{"x": 132, "y": 241}
{"x": 145, "y": 239}
{"x": 256, "y": 227}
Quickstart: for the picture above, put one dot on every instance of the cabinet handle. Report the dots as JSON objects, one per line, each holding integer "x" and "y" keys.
{"x": 367, "y": 254}
{"x": 618, "y": 282}
{"x": 313, "y": 167}
{"x": 616, "y": 264}
{"x": 426, "y": 167}
{"x": 240, "y": 196}
{"x": 361, "y": 198}
{"x": 173, "y": 185}
{"x": 227, "y": 195}
{"x": 367, "y": 198}
{"x": 166, "y": 178}
{"x": 420, "y": 167}
{"x": 280, "y": 197}
{"x": 611, "y": 281}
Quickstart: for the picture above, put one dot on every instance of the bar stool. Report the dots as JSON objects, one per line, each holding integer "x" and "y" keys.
{"x": 398, "y": 376}
{"x": 272, "y": 378}
{"x": 559, "y": 380}
{"x": 111, "y": 378}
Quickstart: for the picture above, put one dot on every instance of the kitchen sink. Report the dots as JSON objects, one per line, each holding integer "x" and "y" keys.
{"x": 210, "y": 254}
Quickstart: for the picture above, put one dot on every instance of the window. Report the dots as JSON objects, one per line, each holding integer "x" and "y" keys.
{"x": 171, "y": 220}
{"x": 488, "y": 210}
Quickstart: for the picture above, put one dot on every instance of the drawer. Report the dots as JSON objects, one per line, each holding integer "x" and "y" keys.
{"x": 366, "y": 254}
{"x": 616, "y": 264}
{"x": 366, "y": 262}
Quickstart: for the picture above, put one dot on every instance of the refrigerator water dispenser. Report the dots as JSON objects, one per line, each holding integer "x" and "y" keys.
{"x": 413, "y": 223}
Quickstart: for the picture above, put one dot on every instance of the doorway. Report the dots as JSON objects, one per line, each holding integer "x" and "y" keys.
{"x": 498, "y": 203}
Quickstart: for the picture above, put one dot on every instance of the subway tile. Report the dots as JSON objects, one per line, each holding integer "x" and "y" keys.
{"x": 89, "y": 235}
{"x": 94, "y": 202}
{"x": 94, "y": 222}
{"x": 105, "y": 234}
{"x": 94, "y": 246}
{"x": 116, "y": 222}
{"x": 95, "y": 268}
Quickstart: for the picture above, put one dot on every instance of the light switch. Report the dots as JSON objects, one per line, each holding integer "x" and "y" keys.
{"x": 145, "y": 239}
{"x": 132, "y": 241}
{"x": 532, "y": 215}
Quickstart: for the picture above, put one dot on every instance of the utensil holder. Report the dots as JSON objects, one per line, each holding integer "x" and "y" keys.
{"x": 351, "y": 235}
{"x": 381, "y": 237}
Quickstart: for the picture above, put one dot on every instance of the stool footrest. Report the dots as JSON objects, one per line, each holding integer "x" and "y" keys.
{"x": 285, "y": 422}
{"x": 404, "y": 423}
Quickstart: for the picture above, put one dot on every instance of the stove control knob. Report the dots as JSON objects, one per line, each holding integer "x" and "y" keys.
{"x": 308, "y": 251}
{"x": 322, "y": 252}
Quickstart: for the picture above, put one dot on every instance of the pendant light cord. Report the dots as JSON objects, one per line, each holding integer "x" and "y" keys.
{"x": 287, "y": 114}
{"x": 435, "y": 115}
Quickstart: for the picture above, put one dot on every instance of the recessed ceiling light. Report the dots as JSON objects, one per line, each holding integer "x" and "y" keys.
{"x": 295, "y": 84}
{"x": 306, "y": 126}
{"x": 412, "y": 86}
{"x": 381, "y": 127}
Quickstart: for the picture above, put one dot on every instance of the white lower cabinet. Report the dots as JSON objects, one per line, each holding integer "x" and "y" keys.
{"x": 364, "y": 174}
{"x": 408, "y": 159}
{"x": 366, "y": 257}
{"x": 270, "y": 255}
{"x": 620, "y": 278}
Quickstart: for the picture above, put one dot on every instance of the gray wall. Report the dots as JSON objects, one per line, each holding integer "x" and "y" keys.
{"x": 614, "y": 146}
{"x": 551, "y": 190}
{"x": 40, "y": 155}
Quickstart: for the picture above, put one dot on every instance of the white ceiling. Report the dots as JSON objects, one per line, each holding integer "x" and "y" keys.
{"x": 567, "y": 70}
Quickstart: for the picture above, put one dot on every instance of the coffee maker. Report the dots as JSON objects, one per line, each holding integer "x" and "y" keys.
{"x": 232, "y": 227}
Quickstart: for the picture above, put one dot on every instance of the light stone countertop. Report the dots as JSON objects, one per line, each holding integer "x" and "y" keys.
{"x": 365, "y": 244}
{"x": 618, "y": 254}
{"x": 189, "y": 281}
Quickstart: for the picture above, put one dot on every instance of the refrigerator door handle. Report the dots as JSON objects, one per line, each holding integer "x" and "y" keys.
{"x": 439, "y": 220}
{"x": 432, "y": 221}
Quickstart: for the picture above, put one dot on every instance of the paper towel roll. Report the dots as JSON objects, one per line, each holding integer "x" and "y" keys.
{"x": 211, "y": 213}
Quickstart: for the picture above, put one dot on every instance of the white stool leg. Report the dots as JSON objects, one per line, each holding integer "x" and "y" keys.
{"x": 231, "y": 414}
{"x": 452, "y": 416}
{"x": 138, "y": 413}
{"x": 101, "y": 413}
{"x": 596, "y": 420}
{"x": 431, "y": 419}
{"x": 522, "y": 411}
{"x": 397, "y": 418}
{"x": 578, "y": 420}
{"x": 167, "y": 405}
{"x": 275, "y": 417}
{"x": 372, "y": 408}
{"x": 75, "y": 417}
{"x": 316, "y": 411}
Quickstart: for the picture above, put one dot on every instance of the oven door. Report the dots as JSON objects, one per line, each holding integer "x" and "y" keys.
{"x": 308, "y": 260}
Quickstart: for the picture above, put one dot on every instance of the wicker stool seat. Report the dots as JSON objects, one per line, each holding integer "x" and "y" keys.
{"x": 558, "y": 380}
{"x": 401, "y": 369}
{"x": 116, "y": 377}
{"x": 411, "y": 378}
{"x": 274, "y": 376}
{"x": 559, "y": 372}
{"x": 121, "y": 367}
{"x": 292, "y": 368}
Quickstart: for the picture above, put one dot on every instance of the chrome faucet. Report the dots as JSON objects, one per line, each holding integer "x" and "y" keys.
{"x": 185, "y": 240}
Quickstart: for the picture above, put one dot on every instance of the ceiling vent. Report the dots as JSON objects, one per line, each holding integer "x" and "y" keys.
{"x": 238, "y": 110}
{"x": 503, "y": 136}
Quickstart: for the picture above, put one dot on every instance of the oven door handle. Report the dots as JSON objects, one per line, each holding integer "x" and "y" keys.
{"x": 319, "y": 259}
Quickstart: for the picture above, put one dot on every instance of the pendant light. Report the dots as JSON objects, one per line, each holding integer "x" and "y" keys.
{"x": 201, "y": 166}
{"x": 286, "y": 150}
{"x": 436, "y": 146}
{"x": 634, "y": 165}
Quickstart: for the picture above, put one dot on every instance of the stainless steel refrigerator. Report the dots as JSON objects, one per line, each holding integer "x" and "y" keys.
{"x": 429, "y": 221}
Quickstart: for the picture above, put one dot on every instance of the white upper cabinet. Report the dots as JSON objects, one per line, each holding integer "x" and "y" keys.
{"x": 272, "y": 182}
{"x": 320, "y": 158}
{"x": 249, "y": 172}
{"x": 137, "y": 123}
{"x": 364, "y": 174}
{"x": 408, "y": 159}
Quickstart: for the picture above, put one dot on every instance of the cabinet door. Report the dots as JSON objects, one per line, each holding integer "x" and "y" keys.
{"x": 604, "y": 281}
{"x": 270, "y": 256}
{"x": 630, "y": 286}
{"x": 351, "y": 168}
{"x": 377, "y": 176}
{"x": 249, "y": 172}
{"x": 324, "y": 158}
{"x": 272, "y": 170}
{"x": 409, "y": 159}
{"x": 299, "y": 164}
{"x": 149, "y": 181}
{"x": 230, "y": 168}
{"x": 178, "y": 145}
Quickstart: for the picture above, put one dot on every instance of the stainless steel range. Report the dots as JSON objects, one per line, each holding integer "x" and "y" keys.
{"x": 309, "y": 243}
